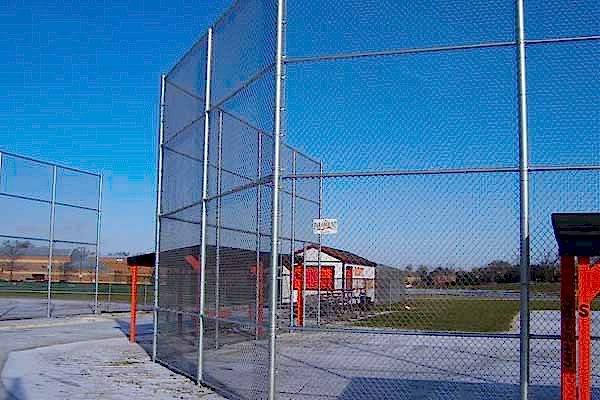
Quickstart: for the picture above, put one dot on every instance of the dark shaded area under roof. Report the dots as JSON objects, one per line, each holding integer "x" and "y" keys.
{"x": 142, "y": 260}
{"x": 577, "y": 234}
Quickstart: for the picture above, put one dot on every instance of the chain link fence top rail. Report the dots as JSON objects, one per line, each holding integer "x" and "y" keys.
{"x": 440, "y": 135}
{"x": 49, "y": 228}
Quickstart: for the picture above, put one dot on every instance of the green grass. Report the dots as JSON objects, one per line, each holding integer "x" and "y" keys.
{"x": 450, "y": 314}
{"x": 73, "y": 291}
{"x": 536, "y": 287}
{"x": 463, "y": 315}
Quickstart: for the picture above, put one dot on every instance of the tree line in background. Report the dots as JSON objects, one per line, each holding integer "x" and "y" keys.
{"x": 10, "y": 252}
{"x": 546, "y": 270}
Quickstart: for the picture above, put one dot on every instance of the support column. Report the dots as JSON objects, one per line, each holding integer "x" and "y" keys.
{"x": 218, "y": 228}
{"x": 259, "y": 283}
{"x": 524, "y": 203}
{"x": 568, "y": 343}
{"x": 134, "y": 296}
{"x": 293, "y": 242}
{"x": 204, "y": 238}
{"x": 98, "y": 228}
{"x": 51, "y": 242}
{"x": 159, "y": 177}
{"x": 275, "y": 203}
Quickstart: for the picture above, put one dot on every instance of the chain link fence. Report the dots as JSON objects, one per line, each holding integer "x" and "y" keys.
{"x": 439, "y": 135}
{"x": 49, "y": 230}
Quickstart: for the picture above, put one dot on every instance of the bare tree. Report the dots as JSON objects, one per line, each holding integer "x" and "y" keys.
{"x": 11, "y": 252}
{"x": 80, "y": 258}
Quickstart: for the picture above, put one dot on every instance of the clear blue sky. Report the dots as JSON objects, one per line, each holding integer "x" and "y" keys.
{"x": 79, "y": 85}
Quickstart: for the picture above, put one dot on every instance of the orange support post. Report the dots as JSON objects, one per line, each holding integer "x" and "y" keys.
{"x": 577, "y": 235}
{"x": 588, "y": 289}
{"x": 300, "y": 308}
{"x": 299, "y": 286}
{"x": 132, "y": 323}
{"x": 568, "y": 305}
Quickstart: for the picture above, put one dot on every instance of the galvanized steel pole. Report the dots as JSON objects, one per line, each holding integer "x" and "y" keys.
{"x": 158, "y": 212}
{"x": 98, "y": 229}
{"x": 204, "y": 208}
{"x": 303, "y": 297}
{"x": 275, "y": 205}
{"x": 524, "y": 202}
{"x": 218, "y": 223}
{"x": 51, "y": 242}
{"x": 293, "y": 240}
{"x": 258, "y": 281}
{"x": 320, "y": 244}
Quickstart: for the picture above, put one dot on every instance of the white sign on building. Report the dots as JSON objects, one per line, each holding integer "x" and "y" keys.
{"x": 325, "y": 226}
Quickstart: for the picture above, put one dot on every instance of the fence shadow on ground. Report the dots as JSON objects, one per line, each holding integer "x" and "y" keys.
{"x": 143, "y": 333}
{"x": 14, "y": 391}
{"x": 401, "y": 389}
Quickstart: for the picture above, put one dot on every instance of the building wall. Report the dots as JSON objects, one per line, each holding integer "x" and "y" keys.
{"x": 363, "y": 276}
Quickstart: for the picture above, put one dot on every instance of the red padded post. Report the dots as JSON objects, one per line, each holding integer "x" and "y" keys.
{"x": 588, "y": 289}
{"x": 568, "y": 347}
{"x": 132, "y": 322}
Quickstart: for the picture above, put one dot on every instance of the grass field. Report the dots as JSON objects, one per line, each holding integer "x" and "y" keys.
{"x": 453, "y": 314}
{"x": 75, "y": 291}
{"x": 535, "y": 287}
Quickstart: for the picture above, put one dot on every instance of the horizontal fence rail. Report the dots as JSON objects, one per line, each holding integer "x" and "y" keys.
{"x": 364, "y": 212}
{"x": 49, "y": 240}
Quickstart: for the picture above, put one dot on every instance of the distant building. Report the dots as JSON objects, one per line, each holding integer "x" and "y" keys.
{"x": 341, "y": 272}
{"x": 72, "y": 268}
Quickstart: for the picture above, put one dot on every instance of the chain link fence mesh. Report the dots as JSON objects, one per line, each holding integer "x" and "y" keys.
{"x": 49, "y": 228}
{"x": 408, "y": 135}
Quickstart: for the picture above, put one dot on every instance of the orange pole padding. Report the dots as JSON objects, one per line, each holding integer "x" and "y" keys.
{"x": 300, "y": 309}
{"x": 568, "y": 345}
{"x": 132, "y": 324}
{"x": 588, "y": 289}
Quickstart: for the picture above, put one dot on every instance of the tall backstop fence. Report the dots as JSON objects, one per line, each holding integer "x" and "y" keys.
{"x": 354, "y": 197}
{"x": 49, "y": 242}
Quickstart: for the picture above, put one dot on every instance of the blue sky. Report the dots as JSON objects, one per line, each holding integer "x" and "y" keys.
{"x": 79, "y": 85}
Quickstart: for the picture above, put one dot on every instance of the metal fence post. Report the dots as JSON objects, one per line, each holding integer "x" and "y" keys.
{"x": 293, "y": 239}
{"x": 275, "y": 205}
{"x": 304, "y": 266}
{"x": 218, "y": 223}
{"x": 320, "y": 245}
{"x": 524, "y": 204}
{"x": 98, "y": 228}
{"x": 158, "y": 212}
{"x": 51, "y": 242}
{"x": 258, "y": 302}
{"x": 204, "y": 209}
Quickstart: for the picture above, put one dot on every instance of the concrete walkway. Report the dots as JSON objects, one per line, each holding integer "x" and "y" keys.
{"x": 85, "y": 358}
